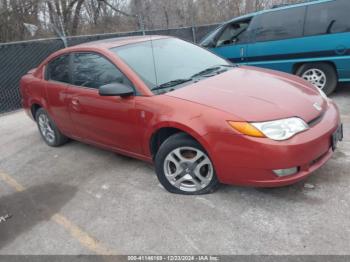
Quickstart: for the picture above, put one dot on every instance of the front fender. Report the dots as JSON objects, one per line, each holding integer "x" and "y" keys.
{"x": 197, "y": 134}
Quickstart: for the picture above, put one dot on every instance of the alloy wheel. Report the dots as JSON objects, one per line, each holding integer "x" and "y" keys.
{"x": 188, "y": 169}
{"x": 316, "y": 77}
{"x": 46, "y": 128}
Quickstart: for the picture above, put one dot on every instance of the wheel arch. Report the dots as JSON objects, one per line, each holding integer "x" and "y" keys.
{"x": 163, "y": 132}
{"x": 35, "y": 106}
{"x": 298, "y": 65}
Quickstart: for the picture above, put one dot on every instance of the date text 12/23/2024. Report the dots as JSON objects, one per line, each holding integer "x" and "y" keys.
{"x": 174, "y": 258}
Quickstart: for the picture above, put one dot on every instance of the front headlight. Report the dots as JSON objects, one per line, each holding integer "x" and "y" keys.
{"x": 281, "y": 129}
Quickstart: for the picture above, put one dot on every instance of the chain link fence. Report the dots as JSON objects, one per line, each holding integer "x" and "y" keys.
{"x": 16, "y": 59}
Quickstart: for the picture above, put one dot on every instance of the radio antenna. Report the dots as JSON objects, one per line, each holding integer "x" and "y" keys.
{"x": 154, "y": 61}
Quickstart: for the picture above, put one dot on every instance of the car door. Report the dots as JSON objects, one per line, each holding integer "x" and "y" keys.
{"x": 231, "y": 41}
{"x": 57, "y": 78}
{"x": 107, "y": 121}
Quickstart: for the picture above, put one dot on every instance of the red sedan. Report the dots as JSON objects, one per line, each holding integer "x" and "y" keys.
{"x": 200, "y": 119}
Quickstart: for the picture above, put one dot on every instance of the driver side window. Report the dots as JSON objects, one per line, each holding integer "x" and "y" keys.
{"x": 234, "y": 33}
{"x": 93, "y": 71}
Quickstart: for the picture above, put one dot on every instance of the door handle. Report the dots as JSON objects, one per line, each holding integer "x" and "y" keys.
{"x": 75, "y": 102}
{"x": 242, "y": 53}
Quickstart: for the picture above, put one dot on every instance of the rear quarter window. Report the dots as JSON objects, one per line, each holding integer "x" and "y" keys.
{"x": 58, "y": 69}
{"x": 328, "y": 18}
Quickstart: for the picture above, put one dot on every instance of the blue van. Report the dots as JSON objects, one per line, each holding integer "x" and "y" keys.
{"x": 311, "y": 40}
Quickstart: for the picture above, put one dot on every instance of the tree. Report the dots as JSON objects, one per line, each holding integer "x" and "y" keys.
{"x": 75, "y": 17}
{"x": 65, "y": 14}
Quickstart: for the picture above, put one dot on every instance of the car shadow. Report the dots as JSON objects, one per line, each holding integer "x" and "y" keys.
{"x": 296, "y": 193}
{"x": 342, "y": 89}
{"x": 30, "y": 207}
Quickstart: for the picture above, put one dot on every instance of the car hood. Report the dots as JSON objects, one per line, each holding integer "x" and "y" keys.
{"x": 254, "y": 94}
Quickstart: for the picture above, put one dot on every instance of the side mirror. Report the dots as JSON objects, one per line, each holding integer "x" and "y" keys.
{"x": 208, "y": 44}
{"x": 211, "y": 44}
{"x": 116, "y": 89}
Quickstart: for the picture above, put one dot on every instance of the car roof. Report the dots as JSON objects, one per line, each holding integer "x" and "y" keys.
{"x": 120, "y": 41}
{"x": 283, "y": 7}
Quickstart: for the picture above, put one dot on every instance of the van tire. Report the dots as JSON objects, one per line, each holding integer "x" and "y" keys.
{"x": 327, "y": 69}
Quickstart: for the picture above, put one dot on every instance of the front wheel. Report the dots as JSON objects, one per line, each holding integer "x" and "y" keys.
{"x": 321, "y": 75}
{"x": 183, "y": 167}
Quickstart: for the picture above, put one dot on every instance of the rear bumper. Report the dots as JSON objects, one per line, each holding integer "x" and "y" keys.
{"x": 247, "y": 161}
{"x": 25, "y": 105}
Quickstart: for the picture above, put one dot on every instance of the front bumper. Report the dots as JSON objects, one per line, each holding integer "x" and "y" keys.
{"x": 248, "y": 161}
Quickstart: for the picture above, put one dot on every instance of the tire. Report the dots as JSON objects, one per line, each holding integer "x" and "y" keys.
{"x": 48, "y": 130}
{"x": 314, "y": 72}
{"x": 184, "y": 167}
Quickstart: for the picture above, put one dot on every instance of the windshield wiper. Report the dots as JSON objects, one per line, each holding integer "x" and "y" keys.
{"x": 211, "y": 70}
{"x": 172, "y": 83}
{"x": 230, "y": 65}
{"x": 176, "y": 82}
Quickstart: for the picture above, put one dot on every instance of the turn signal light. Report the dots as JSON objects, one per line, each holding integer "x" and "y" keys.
{"x": 246, "y": 129}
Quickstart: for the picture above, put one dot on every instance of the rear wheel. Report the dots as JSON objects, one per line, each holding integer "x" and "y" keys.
{"x": 48, "y": 130}
{"x": 321, "y": 75}
{"x": 183, "y": 167}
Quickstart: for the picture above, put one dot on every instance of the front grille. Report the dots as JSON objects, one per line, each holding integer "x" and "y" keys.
{"x": 317, "y": 159}
{"x": 316, "y": 120}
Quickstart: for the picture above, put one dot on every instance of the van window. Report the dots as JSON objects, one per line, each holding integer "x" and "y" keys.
{"x": 209, "y": 40}
{"x": 328, "y": 18}
{"x": 234, "y": 33}
{"x": 277, "y": 25}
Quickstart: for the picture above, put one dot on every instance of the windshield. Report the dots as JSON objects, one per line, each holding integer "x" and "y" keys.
{"x": 231, "y": 33}
{"x": 163, "y": 61}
